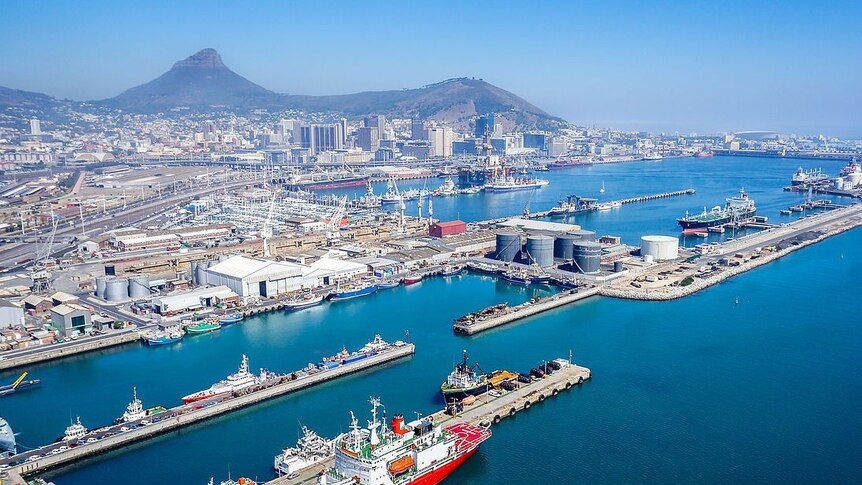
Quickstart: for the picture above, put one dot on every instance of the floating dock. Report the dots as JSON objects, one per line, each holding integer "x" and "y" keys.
{"x": 486, "y": 411}
{"x": 113, "y": 437}
{"x": 500, "y": 315}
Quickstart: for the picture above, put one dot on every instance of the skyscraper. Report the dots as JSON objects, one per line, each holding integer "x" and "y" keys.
{"x": 483, "y": 123}
{"x": 35, "y": 127}
{"x": 322, "y": 137}
{"x": 417, "y": 130}
{"x": 368, "y": 138}
{"x": 441, "y": 141}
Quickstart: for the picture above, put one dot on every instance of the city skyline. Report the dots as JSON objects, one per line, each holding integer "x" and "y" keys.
{"x": 705, "y": 68}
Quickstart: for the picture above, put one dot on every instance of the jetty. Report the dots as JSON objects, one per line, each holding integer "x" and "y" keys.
{"x": 486, "y": 411}
{"x": 501, "y": 314}
{"x": 594, "y": 207}
{"x": 644, "y": 198}
{"x": 97, "y": 442}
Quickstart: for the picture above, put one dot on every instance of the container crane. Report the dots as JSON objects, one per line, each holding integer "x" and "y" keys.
{"x": 40, "y": 275}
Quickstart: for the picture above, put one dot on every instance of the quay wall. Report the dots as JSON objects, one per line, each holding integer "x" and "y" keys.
{"x": 49, "y": 353}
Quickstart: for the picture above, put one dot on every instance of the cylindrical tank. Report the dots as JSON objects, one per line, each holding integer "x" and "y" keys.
{"x": 508, "y": 245}
{"x": 585, "y": 235}
{"x": 101, "y": 282}
{"x": 117, "y": 290}
{"x": 661, "y": 248}
{"x": 618, "y": 266}
{"x": 540, "y": 250}
{"x": 202, "y": 272}
{"x": 587, "y": 256}
{"x": 194, "y": 272}
{"x": 139, "y": 287}
{"x": 563, "y": 245}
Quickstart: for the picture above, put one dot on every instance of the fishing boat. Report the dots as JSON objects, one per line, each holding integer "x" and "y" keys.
{"x": 19, "y": 384}
{"x": 237, "y": 381}
{"x": 483, "y": 268}
{"x": 451, "y": 271}
{"x": 464, "y": 380}
{"x": 519, "y": 277}
{"x": 306, "y": 300}
{"x": 230, "y": 319}
{"x": 412, "y": 280}
{"x": 419, "y": 452}
{"x": 565, "y": 282}
{"x": 310, "y": 449}
{"x": 202, "y": 327}
{"x": 540, "y": 279}
{"x": 386, "y": 284}
{"x": 166, "y": 337}
{"x": 345, "y": 292}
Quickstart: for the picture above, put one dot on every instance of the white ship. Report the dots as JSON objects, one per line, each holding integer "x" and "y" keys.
{"x": 237, "y": 381}
{"x": 75, "y": 431}
{"x": 310, "y": 449}
{"x": 134, "y": 411}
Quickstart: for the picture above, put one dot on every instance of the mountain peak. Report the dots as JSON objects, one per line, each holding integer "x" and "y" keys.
{"x": 203, "y": 59}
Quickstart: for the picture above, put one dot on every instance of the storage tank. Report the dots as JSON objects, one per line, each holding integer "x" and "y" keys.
{"x": 563, "y": 245}
{"x": 585, "y": 235}
{"x": 117, "y": 290}
{"x": 508, "y": 245}
{"x": 661, "y": 248}
{"x": 101, "y": 282}
{"x": 587, "y": 256}
{"x": 139, "y": 287}
{"x": 202, "y": 272}
{"x": 618, "y": 266}
{"x": 540, "y": 250}
{"x": 194, "y": 272}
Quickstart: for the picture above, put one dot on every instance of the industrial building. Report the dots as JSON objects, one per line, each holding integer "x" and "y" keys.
{"x": 660, "y": 248}
{"x": 255, "y": 277}
{"x": 448, "y": 228}
{"x": 71, "y": 319}
{"x": 194, "y": 300}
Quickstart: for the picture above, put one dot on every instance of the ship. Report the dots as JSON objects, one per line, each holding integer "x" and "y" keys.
{"x": 653, "y": 156}
{"x": 465, "y": 380}
{"x": 450, "y": 270}
{"x": 804, "y": 177}
{"x": 411, "y": 280}
{"x": 202, "y": 327}
{"x": 736, "y": 208}
{"x": 310, "y": 449}
{"x": 509, "y": 183}
{"x": 386, "y": 284}
{"x": 8, "y": 446}
{"x": 447, "y": 188}
{"x": 519, "y": 277}
{"x": 573, "y": 204}
{"x": 74, "y": 431}
{"x": 165, "y": 337}
{"x": 237, "y": 381}
{"x": 414, "y": 453}
{"x": 325, "y": 180}
{"x": 307, "y": 300}
{"x": 230, "y": 319}
{"x": 482, "y": 268}
{"x": 19, "y": 384}
{"x": 704, "y": 154}
{"x": 345, "y": 292}
{"x": 851, "y": 168}
{"x": 134, "y": 411}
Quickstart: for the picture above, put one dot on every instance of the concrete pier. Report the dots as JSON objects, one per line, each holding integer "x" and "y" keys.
{"x": 33, "y": 355}
{"x": 486, "y": 411}
{"x": 114, "y": 437}
{"x": 522, "y": 311}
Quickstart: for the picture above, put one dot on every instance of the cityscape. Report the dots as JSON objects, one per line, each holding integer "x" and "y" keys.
{"x": 205, "y": 280}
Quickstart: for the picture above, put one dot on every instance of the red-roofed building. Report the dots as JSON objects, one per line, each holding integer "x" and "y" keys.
{"x": 448, "y": 228}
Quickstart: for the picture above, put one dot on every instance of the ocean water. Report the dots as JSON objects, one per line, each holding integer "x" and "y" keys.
{"x": 699, "y": 390}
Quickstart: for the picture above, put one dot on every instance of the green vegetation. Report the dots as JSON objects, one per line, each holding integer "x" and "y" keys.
{"x": 686, "y": 281}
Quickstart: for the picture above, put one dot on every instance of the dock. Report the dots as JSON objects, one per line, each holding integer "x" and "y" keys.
{"x": 594, "y": 207}
{"x": 113, "y": 437}
{"x": 500, "y": 315}
{"x": 486, "y": 411}
{"x": 33, "y": 355}
{"x": 644, "y": 198}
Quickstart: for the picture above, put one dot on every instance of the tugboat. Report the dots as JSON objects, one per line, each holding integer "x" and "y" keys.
{"x": 310, "y": 449}
{"x": 306, "y": 300}
{"x": 346, "y": 292}
{"x": 235, "y": 382}
{"x": 414, "y": 453}
{"x": 736, "y": 208}
{"x": 465, "y": 380}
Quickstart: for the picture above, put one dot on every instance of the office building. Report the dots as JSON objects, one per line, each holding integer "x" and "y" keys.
{"x": 322, "y": 137}
{"x": 441, "y": 141}
{"x": 483, "y": 123}
{"x": 417, "y": 130}
{"x": 35, "y": 127}
{"x": 368, "y": 138}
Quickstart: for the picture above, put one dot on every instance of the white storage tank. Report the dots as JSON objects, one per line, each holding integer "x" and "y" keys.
{"x": 201, "y": 271}
{"x": 661, "y": 248}
{"x": 139, "y": 287}
{"x": 540, "y": 250}
{"x": 101, "y": 283}
{"x": 117, "y": 290}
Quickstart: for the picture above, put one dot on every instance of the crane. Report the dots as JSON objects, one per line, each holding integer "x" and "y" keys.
{"x": 266, "y": 230}
{"x": 40, "y": 274}
{"x": 334, "y": 223}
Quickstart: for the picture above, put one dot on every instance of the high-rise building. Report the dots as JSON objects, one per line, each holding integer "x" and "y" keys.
{"x": 417, "y": 130}
{"x": 441, "y": 141}
{"x": 35, "y": 127}
{"x": 368, "y": 138}
{"x": 376, "y": 121}
{"x": 557, "y": 146}
{"x": 484, "y": 123}
{"x": 322, "y": 137}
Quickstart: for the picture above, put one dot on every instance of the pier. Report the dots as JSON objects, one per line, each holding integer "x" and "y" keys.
{"x": 486, "y": 411}
{"x": 117, "y": 436}
{"x": 594, "y": 207}
{"x": 33, "y": 355}
{"x": 501, "y": 315}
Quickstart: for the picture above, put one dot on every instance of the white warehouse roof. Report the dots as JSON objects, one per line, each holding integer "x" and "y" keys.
{"x": 250, "y": 269}
{"x": 338, "y": 265}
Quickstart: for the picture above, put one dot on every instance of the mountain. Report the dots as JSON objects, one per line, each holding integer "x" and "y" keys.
{"x": 200, "y": 82}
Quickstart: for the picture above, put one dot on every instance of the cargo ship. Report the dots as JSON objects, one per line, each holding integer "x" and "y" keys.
{"x": 418, "y": 452}
{"x": 508, "y": 183}
{"x": 325, "y": 181}
{"x": 237, "y": 381}
{"x": 465, "y": 380}
{"x": 736, "y": 208}
{"x": 19, "y": 384}
{"x": 704, "y": 154}
{"x": 345, "y": 292}
{"x": 310, "y": 449}
{"x": 8, "y": 446}
{"x": 803, "y": 177}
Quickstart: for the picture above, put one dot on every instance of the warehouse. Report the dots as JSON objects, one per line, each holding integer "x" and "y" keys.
{"x": 71, "y": 319}
{"x": 339, "y": 270}
{"x": 255, "y": 277}
{"x": 193, "y": 300}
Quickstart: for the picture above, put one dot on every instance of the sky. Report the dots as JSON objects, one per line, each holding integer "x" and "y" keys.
{"x": 787, "y": 66}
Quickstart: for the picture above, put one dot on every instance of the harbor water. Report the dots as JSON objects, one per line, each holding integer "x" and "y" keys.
{"x": 702, "y": 389}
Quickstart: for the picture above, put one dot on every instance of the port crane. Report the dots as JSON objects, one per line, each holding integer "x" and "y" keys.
{"x": 266, "y": 230}
{"x": 334, "y": 224}
{"x": 40, "y": 275}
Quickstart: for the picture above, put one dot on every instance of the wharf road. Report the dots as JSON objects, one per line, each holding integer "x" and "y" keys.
{"x": 97, "y": 442}
{"x": 486, "y": 411}
{"x": 775, "y": 235}
{"x": 10, "y": 253}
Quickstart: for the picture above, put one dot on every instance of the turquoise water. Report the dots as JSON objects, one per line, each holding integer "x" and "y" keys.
{"x": 696, "y": 390}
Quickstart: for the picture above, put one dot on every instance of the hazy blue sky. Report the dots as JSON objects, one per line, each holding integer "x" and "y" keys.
{"x": 690, "y": 66}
